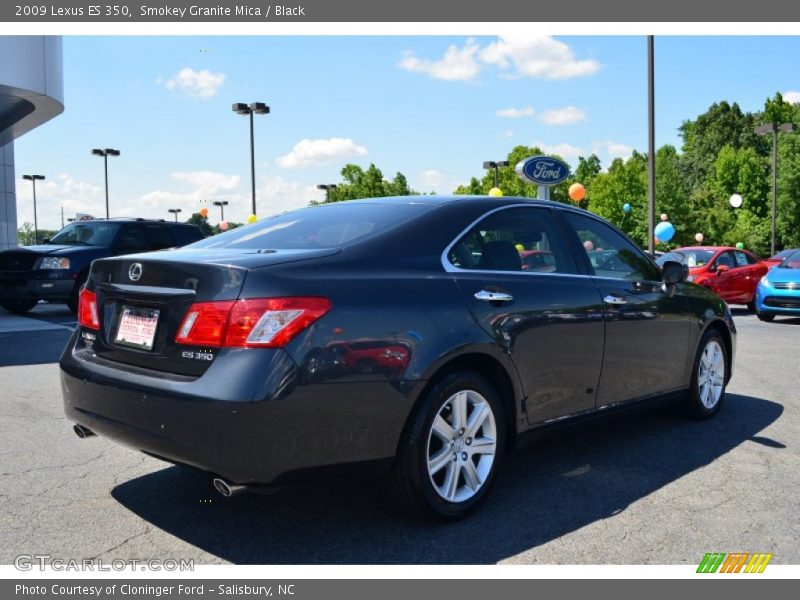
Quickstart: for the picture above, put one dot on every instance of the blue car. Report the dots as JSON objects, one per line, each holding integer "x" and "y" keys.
{"x": 778, "y": 292}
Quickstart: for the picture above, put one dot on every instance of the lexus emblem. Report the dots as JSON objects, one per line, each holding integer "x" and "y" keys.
{"x": 135, "y": 272}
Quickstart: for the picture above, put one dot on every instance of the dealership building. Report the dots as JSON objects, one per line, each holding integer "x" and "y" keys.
{"x": 31, "y": 93}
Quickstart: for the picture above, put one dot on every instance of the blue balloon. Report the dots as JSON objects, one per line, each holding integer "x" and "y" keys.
{"x": 664, "y": 231}
{"x": 626, "y": 207}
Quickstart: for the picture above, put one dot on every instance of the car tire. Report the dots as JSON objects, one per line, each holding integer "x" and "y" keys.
{"x": 18, "y": 307}
{"x": 74, "y": 297}
{"x": 451, "y": 449}
{"x": 751, "y": 306}
{"x": 709, "y": 376}
{"x": 766, "y": 317}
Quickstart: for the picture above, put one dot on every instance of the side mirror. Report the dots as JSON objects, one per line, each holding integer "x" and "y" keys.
{"x": 722, "y": 269}
{"x": 673, "y": 272}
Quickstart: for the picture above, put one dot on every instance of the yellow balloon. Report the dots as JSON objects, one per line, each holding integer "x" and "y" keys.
{"x": 496, "y": 192}
{"x": 251, "y": 219}
{"x": 520, "y": 248}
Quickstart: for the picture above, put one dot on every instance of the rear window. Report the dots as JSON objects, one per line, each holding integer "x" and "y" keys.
{"x": 326, "y": 226}
{"x": 186, "y": 234}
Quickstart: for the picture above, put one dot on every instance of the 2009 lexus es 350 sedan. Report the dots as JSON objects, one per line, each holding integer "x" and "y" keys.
{"x": 397, "y": 331}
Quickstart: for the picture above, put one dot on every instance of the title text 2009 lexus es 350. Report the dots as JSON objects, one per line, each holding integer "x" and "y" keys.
{"x": 400, "y": 331}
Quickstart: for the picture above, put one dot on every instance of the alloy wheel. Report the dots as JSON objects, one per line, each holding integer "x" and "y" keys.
{"x": 711, "y": 374}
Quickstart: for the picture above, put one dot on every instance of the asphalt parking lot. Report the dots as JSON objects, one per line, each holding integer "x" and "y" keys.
{"x": 652, "y": 488}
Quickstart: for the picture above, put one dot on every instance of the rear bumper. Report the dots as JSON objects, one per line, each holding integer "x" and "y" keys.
{"x": 778, "y": 302}
{"x": 39, "y": 285}
{"x": 249, "y": 418}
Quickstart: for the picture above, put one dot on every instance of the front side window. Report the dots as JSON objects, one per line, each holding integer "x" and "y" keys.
{"x": 516, "y": 239}
{"x": 87, "y": 233}
{"x": 726, "y": 259}
{"x": 609, "y": 252}
{"x": 742, "y": 259}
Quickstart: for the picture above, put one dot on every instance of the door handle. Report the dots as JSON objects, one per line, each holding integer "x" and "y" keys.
{"x": 615, "y": 300}
{"x": 488, "y": 296}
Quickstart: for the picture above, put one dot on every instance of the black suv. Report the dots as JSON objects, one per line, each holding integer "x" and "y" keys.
{"x": 56, "y": 270}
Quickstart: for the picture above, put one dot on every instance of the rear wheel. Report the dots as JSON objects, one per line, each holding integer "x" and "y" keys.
{"x": 751, "y": 306}
{"x": 762, "y": 316}
{"x": 18, "y": 307}
{"x": 451, "y": 449}
{"x": 72, "y": 301}
{"x": 707, "y": 391}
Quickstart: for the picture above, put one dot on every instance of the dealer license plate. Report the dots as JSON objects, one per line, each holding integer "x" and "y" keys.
{"x": 137, "y": 327}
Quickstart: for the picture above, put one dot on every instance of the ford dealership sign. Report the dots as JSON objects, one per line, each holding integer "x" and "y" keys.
{"x": 542, "y": 170}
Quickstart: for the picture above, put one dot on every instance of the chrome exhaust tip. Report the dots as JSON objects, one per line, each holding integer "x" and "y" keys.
{"x": 226, "y": 488}
{"x": 83, "y": 432}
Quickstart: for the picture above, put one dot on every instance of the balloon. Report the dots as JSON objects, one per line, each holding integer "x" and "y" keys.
{"x": 577, "y": 192}
{"x": 496, "y": 192}
{"x": 664, "y": 216}
{"x": 520, "y": 248}
{"x": 698, "y": 237}
{"x": 223, "y": 226}
{"x": 664, "y": 231}
{"x": 626, "y": 207}
{"x": 740, "y": 245}
{"x": 736, "y": 200}
{"x": 204, "y": 212}
{"x": 588, "y": 245}
{"x": 252, "y": 218}
{"x": 656, "y": 241}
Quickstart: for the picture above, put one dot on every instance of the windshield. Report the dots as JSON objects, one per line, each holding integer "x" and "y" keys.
{"x": 326, "y": 226}
{"x": 689, "y": 257}
{"x": 87, "y": 233}
{"x": 792, "y": 261}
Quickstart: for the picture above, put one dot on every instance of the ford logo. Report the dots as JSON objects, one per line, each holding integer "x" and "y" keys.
{"x": 135, "y": 272}
{"x": 542, "y": 170}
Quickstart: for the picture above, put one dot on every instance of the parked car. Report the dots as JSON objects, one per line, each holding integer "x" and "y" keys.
{"x": 201, "y": 355}
{"x": 774, "y": 261}
{"x": 778, "y": 292}
{"x": 731, "y": 273}
{"x": 56, "y": 269}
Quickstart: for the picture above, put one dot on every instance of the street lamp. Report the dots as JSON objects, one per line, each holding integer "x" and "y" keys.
{"x": 773, "y": 129}
{"x": 327, "y": 187}
{"x": 495, "y": 164}
{"x": 222, "y": 204}
{"x": 255, "y": 108}
{"x": 175, "y": 212}
{"x": 33, "y": 179}
{"x": 105, "y": 154}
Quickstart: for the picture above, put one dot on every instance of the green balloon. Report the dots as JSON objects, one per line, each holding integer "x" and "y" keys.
{"x": 740, "y": 245}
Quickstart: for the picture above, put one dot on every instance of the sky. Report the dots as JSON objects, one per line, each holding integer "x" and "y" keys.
{"x": 431, "y": 107}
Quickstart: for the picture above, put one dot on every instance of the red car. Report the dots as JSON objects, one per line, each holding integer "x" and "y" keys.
{"x": 731, "y": 273}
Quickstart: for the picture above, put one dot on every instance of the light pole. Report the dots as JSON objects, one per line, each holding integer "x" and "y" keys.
{"x": 255, "y": 108}
{"x": 773, "y": 129}
{"x": 105, "y": 154}
{"x": 651, "y": 145}
{"x": 327, "y": 187}
{"x": 175, "y": 212}
{"x": 495, "y": 164}
{"x": 222, "y": 204}
{"x": 33, "y": 179}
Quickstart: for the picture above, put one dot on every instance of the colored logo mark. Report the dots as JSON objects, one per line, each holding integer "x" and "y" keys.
{"x": 734, "y": 562}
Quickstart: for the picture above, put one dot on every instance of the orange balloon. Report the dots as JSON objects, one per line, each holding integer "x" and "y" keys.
{"x": 203, "y": 212}
{"x": 577, "y": 192}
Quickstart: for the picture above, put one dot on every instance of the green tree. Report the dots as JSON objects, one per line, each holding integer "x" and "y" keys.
{"x": 788, "y": 213}
{"x": 201, "y": 222}
{"x": 672, "y": 195}
{"x": 369, "y": 183}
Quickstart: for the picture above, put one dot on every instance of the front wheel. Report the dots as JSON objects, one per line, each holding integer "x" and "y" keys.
{"x": 751, "y": 306}
{"x": 709, "y": 376}
{"x": 18, "y": 307}
{"x": 451, "y": 448}
{"x": 767, "y": 317}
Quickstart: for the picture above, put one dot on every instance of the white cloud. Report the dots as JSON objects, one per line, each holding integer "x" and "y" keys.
{"x": 516, "y": 113}
{"x": 276, "y": 195}
{"x": 207, "y": 182}
{"x": 791, "y": 97}
{"x": 506, "y": 134}
{"x": 197, "y": 84}
{"x": 564, "y": 149}
{"x": 538, "y": 56}
{"x": 310, "y": 153}
{"x": 457, "y": 64}
{"x": 611, "y": 149}
{"x": 54, "y": 193}
{"x": 569, "y": 115}
{"x": 431, "y": 178}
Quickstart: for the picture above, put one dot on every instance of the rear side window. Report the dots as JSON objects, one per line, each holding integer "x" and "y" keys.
{"x": 326, "y": 226}
{"x": 186, "y": 234}
{"x": 742, "y": 259}
{"x": 158, "y": 237}
{"x": 516, "y": 239}
{"x": 609, "y": 252}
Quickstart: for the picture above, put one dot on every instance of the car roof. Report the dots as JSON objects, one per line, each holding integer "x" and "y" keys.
{"x": 439, "y": 200}
{"x": 133, "y": 220}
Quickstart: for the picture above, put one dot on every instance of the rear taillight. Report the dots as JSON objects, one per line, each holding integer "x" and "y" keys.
{"x": 88, "y": 315}
{"x": 249, "y": 323}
